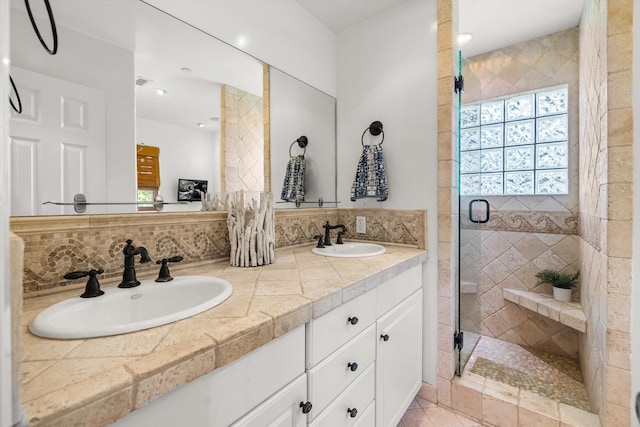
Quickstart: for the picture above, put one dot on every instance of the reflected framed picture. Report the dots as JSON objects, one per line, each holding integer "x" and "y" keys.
{"x": 191, "y": 190}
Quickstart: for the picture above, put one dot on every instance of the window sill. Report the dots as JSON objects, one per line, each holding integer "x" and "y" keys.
{"x": 567, "y": 313}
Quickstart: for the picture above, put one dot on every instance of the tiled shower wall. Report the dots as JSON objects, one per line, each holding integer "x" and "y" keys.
{"x": 528, "y": 233}
{"x": 242, "y": 140}
{"x": 57, "y": 245}
{"x": 606, "y": 138}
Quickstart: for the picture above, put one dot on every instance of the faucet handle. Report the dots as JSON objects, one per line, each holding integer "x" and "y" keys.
{"x": 339, "y": 239}
{"x": 92, "y": 289}
{"x": 164, "y": 275}
{"x": 319, "y": 237}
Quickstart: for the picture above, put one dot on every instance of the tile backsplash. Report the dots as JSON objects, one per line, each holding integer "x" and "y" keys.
{"x": 54, "y": 246}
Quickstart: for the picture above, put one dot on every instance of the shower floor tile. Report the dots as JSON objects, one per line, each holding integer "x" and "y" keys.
{"x": 556, "y": 377}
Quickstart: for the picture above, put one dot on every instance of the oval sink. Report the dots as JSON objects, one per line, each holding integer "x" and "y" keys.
{"x": 350, "y": 250}
{"x": 120, "y": 311}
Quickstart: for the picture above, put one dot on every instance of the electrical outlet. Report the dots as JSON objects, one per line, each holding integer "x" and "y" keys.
{"x": 361, "y": 224}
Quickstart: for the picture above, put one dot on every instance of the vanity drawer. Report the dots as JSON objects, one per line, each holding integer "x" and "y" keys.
{"x": 329, "y": 332}
{"x": 359, "y": 396}
{"x": 332, "y": 375}
{"x": 368, "y": 417}
{"x": 397, "y": 288}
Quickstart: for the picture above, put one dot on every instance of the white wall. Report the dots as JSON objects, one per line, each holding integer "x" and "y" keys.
{"x": 635, "y": 297}
{"x": 90, "y": 62}
{"x": 387, "y": 71}
{"x": 6, "y": 380}
{"x": 299, "y": 109}
{"x": 279, "y": 32}
{"x": 184, "y": 153}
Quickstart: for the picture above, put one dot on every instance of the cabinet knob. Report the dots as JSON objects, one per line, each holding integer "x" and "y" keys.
{"x": 385, "y": 337}
{"x": 306, "y": 407}
{"x": 353, "y": 320}
{"x": 352, "y": 366}
{"x": 352, "y": 412}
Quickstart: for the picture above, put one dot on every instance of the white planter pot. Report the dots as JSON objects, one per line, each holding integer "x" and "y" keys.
{"x": 563, "y": 295}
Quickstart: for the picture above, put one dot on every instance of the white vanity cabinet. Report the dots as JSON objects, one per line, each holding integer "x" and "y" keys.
{"x": 399, "y": 346}
{"x": 340, "y": 362}
{"x": 359, "y": 365}
{"x": 269, "y": 382}
{"x": 386, "y": 345}
{"x": 283, "y": 409}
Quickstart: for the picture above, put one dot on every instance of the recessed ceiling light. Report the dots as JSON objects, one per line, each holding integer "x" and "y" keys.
{"x": 464, "y": 38}
{"x": 161, "y": 91}
{"x": 200, "y": 125}
{"x": 185, "y": 70}
{"x": 5, "y": 61}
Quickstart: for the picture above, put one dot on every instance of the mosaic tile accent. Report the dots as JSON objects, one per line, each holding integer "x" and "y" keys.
{"x": 405, "y": 227}
{"x": 526, "y": 222}
{"x": 55, "y": 246}
{"x": 556, "y": 377}
{"x": 97, "y": 242}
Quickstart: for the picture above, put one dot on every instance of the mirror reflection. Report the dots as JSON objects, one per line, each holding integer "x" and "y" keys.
{"x": 128, "y": 79}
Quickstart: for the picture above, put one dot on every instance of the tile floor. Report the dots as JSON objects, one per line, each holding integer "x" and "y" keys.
{"x": 555, "y": 377}
{"x": 422, "y": 413}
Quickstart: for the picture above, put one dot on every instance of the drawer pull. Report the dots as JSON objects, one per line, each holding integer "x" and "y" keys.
{"x": 306, "y": 407}
{"x": 352, "y": 366}
{"x": 352, "y": 412}
{"x": 353, "y": 320}
{"x": 385, "y": 337}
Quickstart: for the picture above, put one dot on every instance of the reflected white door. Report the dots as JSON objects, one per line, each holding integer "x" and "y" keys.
{"x": 57, "y": 144}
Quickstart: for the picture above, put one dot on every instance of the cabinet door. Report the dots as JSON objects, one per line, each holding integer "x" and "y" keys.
{"x": 280, "y": 410}
{"x": 398, "y": 360}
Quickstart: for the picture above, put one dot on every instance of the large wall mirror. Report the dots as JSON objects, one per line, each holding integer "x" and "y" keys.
{"x": 128, "y": 76}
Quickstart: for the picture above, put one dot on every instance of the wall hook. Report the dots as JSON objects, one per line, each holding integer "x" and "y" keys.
{"x": 375, "y": 129}
{"x": 52, "y": 21}
{"x": 303, "y": 141}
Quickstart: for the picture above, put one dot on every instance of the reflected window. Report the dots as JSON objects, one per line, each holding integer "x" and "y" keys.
{"x": 516, "y": 145}
{"x": 148, "y": 169}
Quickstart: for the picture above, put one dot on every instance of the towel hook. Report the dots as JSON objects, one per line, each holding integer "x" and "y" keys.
{"x": 54, "y": 31}
{"x": 375, "y": 128}
{"x": 18, "y": 100}
{"x": 302, "y": 143}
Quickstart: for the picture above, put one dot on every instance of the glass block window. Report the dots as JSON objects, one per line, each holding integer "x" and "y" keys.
{"x": 516, "y": 145}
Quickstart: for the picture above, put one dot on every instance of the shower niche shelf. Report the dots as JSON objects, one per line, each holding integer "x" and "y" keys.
{"x": 567, "y": 313}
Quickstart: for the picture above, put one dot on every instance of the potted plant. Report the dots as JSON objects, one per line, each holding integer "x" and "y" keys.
{"x": 562, "y": 283}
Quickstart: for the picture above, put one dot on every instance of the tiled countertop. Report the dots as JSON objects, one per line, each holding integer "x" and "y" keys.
{"x": 95, "y": 381}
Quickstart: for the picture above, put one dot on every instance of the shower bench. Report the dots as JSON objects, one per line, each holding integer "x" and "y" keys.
{"x": 568, "y": 313}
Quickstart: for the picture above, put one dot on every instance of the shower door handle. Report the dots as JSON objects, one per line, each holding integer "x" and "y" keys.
{"x": 486, "y": 217}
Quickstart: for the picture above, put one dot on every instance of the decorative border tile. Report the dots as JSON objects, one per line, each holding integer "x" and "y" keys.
{"x": 527, "y": 222}
{"x": 55, "y": 246}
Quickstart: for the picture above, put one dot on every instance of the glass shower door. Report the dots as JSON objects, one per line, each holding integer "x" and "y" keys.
{"x": 473, "y": 213}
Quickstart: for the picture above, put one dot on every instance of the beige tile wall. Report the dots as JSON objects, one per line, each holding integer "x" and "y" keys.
{"x": 592, "y": 200}
{"x": 524, "y": 234}
{"x": 605, "y": 203}
{"x": 57, "y": 245}
{"x": 447, "y": 195}
{"x": 242, "y": 141}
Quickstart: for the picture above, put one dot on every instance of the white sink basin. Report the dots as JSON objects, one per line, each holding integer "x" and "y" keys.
{"x": 119, "y": 311}
{"x": 350, "y": 250}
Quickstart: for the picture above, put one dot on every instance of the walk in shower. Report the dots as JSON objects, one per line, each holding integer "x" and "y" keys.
{"x": 518, "y": 202}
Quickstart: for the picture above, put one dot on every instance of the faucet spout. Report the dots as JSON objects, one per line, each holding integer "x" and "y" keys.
{"x": 327, "y": 235}
{"x": 129, "y": 279}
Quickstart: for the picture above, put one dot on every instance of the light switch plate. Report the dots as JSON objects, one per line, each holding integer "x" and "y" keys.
{"x": 361, "y": 224}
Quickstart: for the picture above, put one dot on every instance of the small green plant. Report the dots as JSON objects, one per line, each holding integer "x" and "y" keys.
{"x": 557, "y": 280}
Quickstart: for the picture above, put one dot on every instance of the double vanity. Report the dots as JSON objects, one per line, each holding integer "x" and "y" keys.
{"x": 309, "y": 340}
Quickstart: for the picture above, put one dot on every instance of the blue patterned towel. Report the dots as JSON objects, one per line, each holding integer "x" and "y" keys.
{"x": 293, "y": 186}
{"x": 371, "y": 178}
